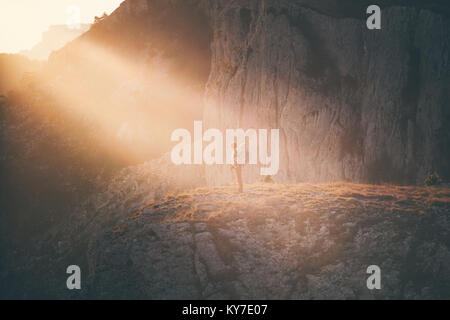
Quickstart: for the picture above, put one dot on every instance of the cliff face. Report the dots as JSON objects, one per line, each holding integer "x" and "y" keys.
{"x": 350, "y": 103}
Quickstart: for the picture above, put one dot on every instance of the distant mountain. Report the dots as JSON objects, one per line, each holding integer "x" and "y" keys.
{"x": 13, "y": 68}
{"x": 53, "y": 39}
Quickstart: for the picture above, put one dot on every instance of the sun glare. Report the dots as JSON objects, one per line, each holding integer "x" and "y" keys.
{"x": 28, "y": 19}
{"x": 137, "y": 114}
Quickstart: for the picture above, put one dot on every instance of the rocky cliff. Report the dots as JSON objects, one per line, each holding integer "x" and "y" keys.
{"x": 351, "y": 103}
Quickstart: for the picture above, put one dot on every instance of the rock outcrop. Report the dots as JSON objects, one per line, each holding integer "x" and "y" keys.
{"x": 278, "y": 242}
{"x": 351, "y": 103}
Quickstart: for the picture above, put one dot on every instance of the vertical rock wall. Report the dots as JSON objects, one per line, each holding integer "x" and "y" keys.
{"x": 350, "y": 103}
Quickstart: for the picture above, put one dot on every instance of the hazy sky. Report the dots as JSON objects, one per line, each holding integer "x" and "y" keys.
{"x": 23, "y": 21}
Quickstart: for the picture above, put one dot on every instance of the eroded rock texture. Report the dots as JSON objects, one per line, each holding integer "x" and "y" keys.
{"x": 350, "y": 103}
{"x": 278, "y": 242}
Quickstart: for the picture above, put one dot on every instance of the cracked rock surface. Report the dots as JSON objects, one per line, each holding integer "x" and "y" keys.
{"x": 278, "y": 242}
{"x": 350, "y": 103}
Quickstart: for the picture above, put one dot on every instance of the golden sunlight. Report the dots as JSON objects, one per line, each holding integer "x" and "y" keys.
{"x": 28, "y": 19}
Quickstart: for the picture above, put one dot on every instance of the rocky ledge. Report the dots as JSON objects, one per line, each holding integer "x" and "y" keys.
{"x": 273, "y": 241}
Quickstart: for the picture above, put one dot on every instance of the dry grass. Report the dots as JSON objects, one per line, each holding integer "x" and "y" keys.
{"x": 261, "y": 201}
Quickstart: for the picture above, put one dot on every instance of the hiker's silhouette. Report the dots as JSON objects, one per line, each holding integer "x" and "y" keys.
{"x": 238, "y": 168}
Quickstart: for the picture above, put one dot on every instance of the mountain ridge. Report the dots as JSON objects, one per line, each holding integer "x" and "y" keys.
{"x": 370, "y": 97}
